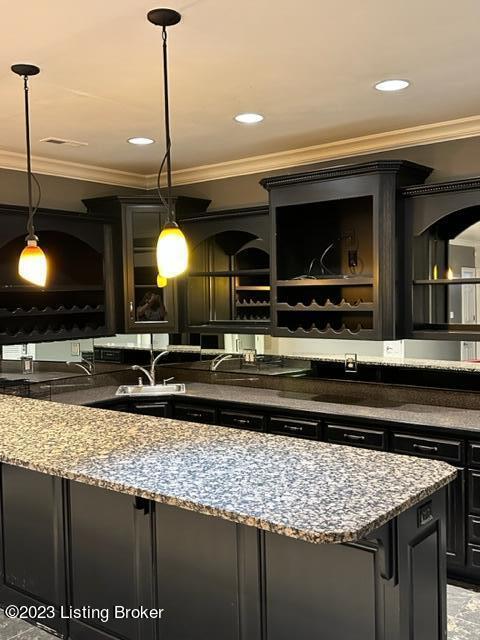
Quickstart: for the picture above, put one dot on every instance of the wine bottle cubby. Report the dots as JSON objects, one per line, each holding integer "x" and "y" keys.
{"x": 336, "y": 250}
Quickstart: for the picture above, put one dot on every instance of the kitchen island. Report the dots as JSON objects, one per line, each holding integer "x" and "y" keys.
{"x": 234, "y": 535}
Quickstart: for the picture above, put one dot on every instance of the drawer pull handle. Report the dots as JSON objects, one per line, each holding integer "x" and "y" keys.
{"x": 292, "y": 427}
{"x": 353, "y": 437}
{"x": 194, "y": 415}
{"x": 241, "y": 421}
{"x": 424, "y": 448}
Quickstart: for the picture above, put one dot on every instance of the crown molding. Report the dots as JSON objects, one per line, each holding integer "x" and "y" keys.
{"x": 341, "y": 149}
{"x": 387, "y": 141}
{"x": 73, "y": 170}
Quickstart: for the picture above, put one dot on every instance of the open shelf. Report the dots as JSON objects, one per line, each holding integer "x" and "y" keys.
{"x": 50, "y": 311}
{"x": 230, "y": 274}
{"x": 448, "y": 281}
{"x": 347, "y": 281}
{"x": 327, "y": 332}
{"x": 344, "y": 306}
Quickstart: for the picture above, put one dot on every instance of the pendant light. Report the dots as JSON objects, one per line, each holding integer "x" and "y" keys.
{"x": 172, "y": 249}
{"x": 32, "y": 264}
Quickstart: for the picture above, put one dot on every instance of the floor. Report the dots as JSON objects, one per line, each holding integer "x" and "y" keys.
{"x": 463, "y": 619}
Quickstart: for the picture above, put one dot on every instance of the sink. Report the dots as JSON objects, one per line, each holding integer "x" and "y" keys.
{"x": 150, "y": 390}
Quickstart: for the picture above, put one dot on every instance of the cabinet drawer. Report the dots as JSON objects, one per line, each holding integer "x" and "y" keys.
{"x": 440, "y": 449}
{"x": 160, "y": 409}
{"x": 298, "y": 428}
{"x": 194, "y": 413}
{"x": 356, "y": 436}
{"x": 474, "y": 529}
{"x": 473, "y": 557}
{"x": 474, "y": 492}
{"x": 474, "y": 454}
{"x": 252, "y": 421}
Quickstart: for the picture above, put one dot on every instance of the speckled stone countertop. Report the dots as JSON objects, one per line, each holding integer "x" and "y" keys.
{"x": 409, "y": 413}
{"x": 312, "y": 491}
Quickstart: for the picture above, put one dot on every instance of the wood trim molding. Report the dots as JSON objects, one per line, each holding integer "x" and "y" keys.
{"x": 73, "y": 170}
{"x": 387, "y": 141}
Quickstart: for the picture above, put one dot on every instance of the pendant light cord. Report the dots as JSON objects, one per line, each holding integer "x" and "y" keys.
{"x": 31, "y": 209}
{"x": 168, "y": 202}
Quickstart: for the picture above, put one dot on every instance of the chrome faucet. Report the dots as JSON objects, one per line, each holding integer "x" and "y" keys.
{"x": 150, "y": 374}
{"x": 216, "y": 362}
{"x": 86, "y": 366}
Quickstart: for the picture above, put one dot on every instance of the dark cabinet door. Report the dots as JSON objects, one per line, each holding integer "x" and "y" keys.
{"x": 456, "y": 520}
{"x": 148, "y": 307}
{"x": 474, "y": 492}
{"x": 33, "y": 568}
{"x": 110, "y": 561}
{"x": 207, "y": 573}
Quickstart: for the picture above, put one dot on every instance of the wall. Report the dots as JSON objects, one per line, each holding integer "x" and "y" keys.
{"x": 455, "y": 159}
{"x": 57, "y": 193}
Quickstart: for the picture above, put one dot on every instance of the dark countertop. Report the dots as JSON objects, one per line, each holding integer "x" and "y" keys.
{"x": 312, "y": 491}
{"x": 408, "y": 413}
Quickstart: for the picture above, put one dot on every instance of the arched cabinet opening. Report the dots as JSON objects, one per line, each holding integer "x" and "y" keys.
{"x": 228, "y": 284}
{"x": 446, "y": 278}
{"x": 76, "y": 301}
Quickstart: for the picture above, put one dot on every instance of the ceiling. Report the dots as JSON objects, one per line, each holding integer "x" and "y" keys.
{"x": 308, "y": 67}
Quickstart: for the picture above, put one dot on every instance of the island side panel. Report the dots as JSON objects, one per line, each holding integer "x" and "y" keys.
{"x": 208, "y": 577}
{"x": 32, "y": 555}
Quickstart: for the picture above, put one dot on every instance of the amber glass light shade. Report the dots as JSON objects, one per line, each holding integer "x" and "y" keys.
{"x": 172, "y": 251}
{"x": 32, "y": 264}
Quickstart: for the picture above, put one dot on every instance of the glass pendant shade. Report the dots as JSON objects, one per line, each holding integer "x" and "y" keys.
{"x": 172, "y": 251}
{"x": 32, "y": 264}
{"x": 161, "y": 281}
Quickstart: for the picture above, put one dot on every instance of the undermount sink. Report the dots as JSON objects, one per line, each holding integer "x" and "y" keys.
{"x": 150, "y": 390}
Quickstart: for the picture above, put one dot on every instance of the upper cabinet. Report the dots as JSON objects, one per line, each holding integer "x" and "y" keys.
{"x": 337, "y": 250}
{"x": 144, "y": 307}
{"x": 227, "y": 288}
{"x": 443, "y": 294}
{"x": 79, "y": 297}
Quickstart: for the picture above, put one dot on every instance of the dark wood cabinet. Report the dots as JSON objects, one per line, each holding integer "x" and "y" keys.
{"x": 227, "y": 288}
{"x": 79, "y": 298}
{"x": 32, "y": 563}
{"x": 110, "y": 545}
{"x": 337, "y": 250}
{"x": 442, "y": 282}
{"x": 205, "y": 582}
{"x": 143, "y": 307}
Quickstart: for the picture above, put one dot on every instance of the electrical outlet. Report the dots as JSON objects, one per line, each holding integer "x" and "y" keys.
{"x": 75, "y": 348}
{"x": 352, "y": 258}
{"x": 351, "y": 363}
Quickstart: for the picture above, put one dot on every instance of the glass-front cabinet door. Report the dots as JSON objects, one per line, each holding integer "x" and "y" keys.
{"x": 148, "y": 307}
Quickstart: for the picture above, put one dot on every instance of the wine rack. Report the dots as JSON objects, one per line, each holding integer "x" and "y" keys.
{"x": 77, "y": 301}
{"x": 334, "y": 250}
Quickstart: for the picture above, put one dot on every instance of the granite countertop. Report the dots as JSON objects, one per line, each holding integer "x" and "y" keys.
{"x": 409, "y": 413}
{"x": 312, "y": 491}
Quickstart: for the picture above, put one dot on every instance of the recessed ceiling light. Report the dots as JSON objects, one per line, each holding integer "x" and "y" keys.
{"x": 392, "y": 85}
{"x": 140, "y": 141}
{"x": 248, "y": 118}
